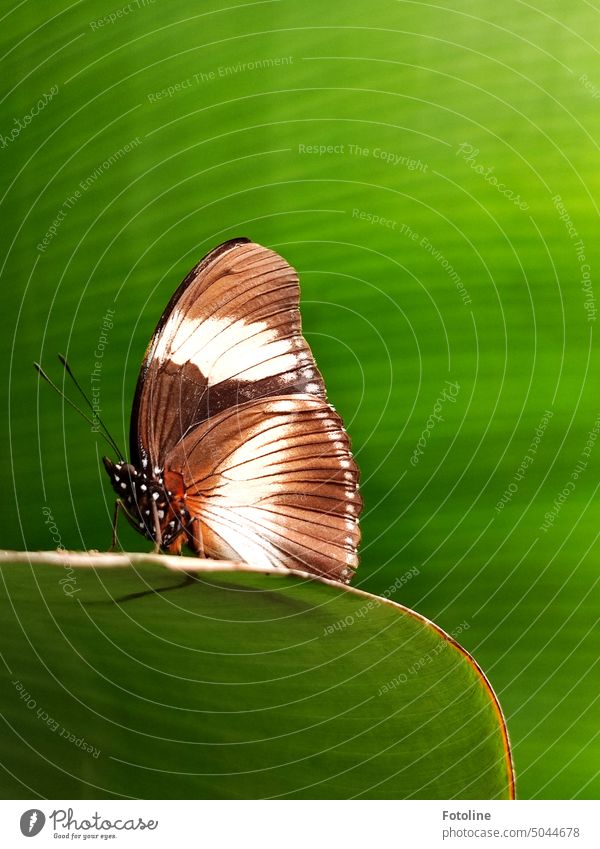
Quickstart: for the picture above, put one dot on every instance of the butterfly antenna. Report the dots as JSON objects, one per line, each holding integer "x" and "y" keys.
{"x": 60, "y": 392}
{"x": 96, "y": 415}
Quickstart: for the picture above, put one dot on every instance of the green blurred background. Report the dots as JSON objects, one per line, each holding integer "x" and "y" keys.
{"x": 415, "y": 270}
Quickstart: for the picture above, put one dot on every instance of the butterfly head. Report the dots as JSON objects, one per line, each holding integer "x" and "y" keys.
{"x": 152, "y": 509}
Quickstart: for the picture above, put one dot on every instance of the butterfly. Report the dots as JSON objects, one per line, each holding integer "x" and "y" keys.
{"x": 234, "y": 449}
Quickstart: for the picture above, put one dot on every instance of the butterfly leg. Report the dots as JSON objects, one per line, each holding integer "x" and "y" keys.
{"x": 157, "y": 531}
{"x": 118, "y": 508}
{"x": 197, "y": 543}
{"x": 176, "y": 545}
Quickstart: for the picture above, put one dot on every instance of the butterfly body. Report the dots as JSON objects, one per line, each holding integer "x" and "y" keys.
{"x": 151, "y": 508}
{"x": 234, "y": 448}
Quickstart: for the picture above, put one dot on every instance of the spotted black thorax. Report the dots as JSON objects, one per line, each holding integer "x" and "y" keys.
{"x": 150, "y": 507}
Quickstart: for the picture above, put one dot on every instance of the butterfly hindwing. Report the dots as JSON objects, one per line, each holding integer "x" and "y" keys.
{"x": 273, "y": 482}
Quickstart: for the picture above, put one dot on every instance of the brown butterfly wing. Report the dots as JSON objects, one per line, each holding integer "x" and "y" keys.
{"x": 273, "y": 482}
{"x": 231, "y": 333}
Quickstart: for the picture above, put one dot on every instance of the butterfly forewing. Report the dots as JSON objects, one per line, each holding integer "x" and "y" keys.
{"x": 230, "y": 334}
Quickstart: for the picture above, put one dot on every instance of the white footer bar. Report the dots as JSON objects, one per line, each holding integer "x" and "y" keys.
{"x": 301, "y": 824}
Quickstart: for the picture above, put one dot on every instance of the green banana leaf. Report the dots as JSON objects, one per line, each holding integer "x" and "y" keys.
{"x": 230, "y": 682}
